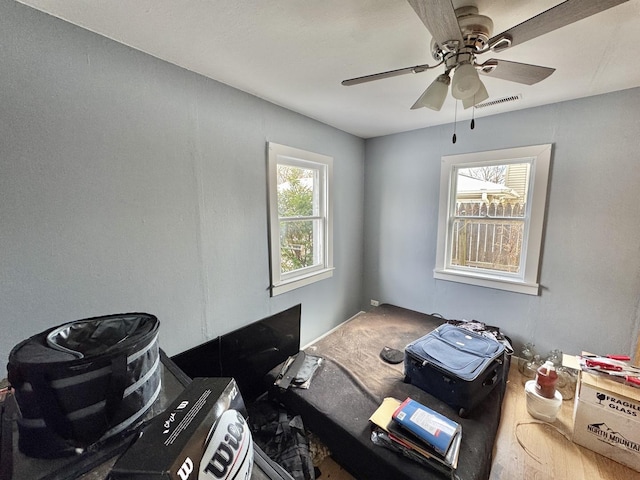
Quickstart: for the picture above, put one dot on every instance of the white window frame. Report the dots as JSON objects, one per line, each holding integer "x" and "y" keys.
{"x": 526, "y": 281}
{"x": 284, "y": 155}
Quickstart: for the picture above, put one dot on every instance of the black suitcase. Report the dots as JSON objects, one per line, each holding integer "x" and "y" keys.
{"x": 456, "y": 365}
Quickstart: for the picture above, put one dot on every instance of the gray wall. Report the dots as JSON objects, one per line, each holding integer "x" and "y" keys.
{"x": 590, "y": 273}
{"x": 128, "y": 184}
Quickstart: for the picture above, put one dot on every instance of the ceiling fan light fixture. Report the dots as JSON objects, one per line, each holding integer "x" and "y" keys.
{"x": 480, "y": 96}
{"x": 435, "y": 95}
{"x": 466, "y": 81}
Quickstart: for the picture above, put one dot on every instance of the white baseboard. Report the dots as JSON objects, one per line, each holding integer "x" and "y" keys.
{"x": 331, "y": 331}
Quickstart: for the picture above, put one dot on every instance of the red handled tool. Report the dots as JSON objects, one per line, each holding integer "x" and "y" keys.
{"x": 629, "y": 379}
{"x": 622, "y": 358}
{"x": 609, "y": 363}
{"x": 613, "y": 367}
{"x": 633, "y": 380}
{"x": 602, "y": 365}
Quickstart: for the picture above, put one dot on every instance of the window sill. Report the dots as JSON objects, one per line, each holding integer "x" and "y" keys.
{"x": 297, "y": 282}
{"x": 508, "y": 284}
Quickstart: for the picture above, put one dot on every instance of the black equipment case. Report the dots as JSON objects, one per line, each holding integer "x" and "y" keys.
{"x": 84, "y": 381}
{"x": 456, "y": 365}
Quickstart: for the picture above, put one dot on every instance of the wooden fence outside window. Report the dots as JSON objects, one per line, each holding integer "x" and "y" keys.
{"x": 488, "y": 235}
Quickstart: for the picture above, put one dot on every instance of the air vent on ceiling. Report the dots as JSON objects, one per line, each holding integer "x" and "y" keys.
{"x": 510, "y": 98}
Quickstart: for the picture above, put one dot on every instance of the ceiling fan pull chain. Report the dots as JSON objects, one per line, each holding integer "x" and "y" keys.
{"x": 455, "y": 119}
{"x": 473, "y": 114}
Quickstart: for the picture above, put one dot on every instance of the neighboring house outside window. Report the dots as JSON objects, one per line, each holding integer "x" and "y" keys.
{"x": 300, "y": 215}
{"x": 491, "y": 218}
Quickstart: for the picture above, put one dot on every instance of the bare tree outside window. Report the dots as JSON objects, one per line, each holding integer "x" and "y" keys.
{"x": 489, "y": 173}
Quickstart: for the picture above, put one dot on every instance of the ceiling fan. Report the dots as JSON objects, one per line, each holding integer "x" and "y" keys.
{"x": 460, "y": 35}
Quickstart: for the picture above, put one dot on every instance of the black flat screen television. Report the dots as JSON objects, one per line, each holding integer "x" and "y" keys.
{"x": 246, "y": 354}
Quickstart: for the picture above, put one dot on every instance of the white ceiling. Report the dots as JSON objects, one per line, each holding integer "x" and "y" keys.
{"x": 295, "y": 53}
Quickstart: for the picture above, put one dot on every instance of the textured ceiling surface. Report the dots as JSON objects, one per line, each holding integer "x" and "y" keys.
{"x": 295, "y": 53}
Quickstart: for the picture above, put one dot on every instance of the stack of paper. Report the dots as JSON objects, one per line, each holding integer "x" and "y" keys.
{"x": 418, "y": 432}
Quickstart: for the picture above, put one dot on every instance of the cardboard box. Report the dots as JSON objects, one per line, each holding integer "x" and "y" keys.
{"x": 607, "y": 418}
{"x": 182, "y": 444}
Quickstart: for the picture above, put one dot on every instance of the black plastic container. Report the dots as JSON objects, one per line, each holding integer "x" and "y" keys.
{"x": 84, "y": 381}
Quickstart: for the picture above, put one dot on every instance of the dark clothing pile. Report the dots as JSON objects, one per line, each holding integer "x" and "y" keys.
{"x": 282, "y": 437}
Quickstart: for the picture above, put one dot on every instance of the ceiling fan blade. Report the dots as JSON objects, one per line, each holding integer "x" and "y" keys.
{"x": 390, "y": 73}
{"x": 556, "y": 17}
{"x": 514, "y": 71}
{"x": 440, "y": 19}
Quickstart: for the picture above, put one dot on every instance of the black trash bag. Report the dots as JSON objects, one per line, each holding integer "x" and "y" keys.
{"x": 84, "y": 381}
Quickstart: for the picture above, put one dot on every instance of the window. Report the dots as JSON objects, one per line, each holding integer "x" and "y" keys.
{"x": 300, "y": 214}
{"x": 491, "y": 217}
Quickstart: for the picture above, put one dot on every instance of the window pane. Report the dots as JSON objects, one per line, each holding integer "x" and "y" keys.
{"x": 296, "y": 187}
{"x": 488, "y": 244}
{"x": 488, "y": 217}
{"x": 298, "y": 245}
{"x": 300, "y": 217}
